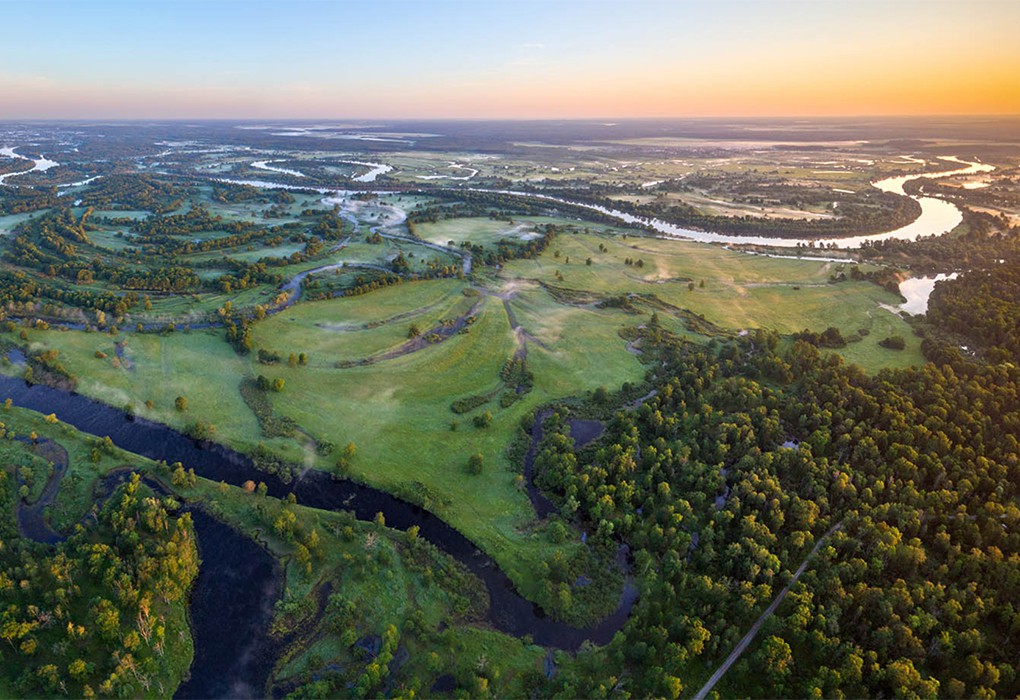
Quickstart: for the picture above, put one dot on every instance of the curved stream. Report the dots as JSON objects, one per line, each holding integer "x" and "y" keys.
{"x": 231, "y": 602}
{"x": 508, "y": 611}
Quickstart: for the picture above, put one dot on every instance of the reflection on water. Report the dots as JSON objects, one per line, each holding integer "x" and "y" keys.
{"x": 916, "y": 291}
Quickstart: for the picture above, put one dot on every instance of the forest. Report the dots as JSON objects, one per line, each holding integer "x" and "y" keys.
{"x": 747, "y": 457}
{"x": 103, "y": 612}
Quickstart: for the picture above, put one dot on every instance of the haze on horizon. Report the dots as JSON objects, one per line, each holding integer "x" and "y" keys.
{"x": 518, "y": 59}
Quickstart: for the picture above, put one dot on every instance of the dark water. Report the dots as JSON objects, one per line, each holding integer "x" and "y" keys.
{"x": 231, "y": 607}
{"x": 539, "y": 501}
{"x": 232, "y": 635}
{"x": 585, "y": 431}
{"x": 31, "y": 517}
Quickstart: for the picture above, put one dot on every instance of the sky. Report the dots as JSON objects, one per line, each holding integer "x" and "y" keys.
{"x": 514, "y": 59}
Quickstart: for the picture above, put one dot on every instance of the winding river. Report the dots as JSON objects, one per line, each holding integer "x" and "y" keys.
{"x": 937, "y": 216}
{"x": 40, "y": 164}
{"x": 508, "y": 611}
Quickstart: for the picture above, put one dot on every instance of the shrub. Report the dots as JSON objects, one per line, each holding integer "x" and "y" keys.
{"x": 475, "y": 463}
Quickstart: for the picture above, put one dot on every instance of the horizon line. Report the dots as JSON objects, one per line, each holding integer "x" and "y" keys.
{"x": 691, "y": 117}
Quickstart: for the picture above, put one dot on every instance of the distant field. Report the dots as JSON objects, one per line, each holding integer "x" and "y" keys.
{"x": 740, "y": 291}
{"x": 479, "y": 231}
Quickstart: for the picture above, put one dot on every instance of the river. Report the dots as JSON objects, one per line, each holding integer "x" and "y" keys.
{"x": 508, "y": 611}
{"x": 265, "y": 165}
{"x": 937, "y": 216}
{"x": 40, "y": 164}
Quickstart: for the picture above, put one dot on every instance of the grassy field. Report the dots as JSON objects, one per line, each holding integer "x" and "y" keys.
{"x": 740, "y": 291}
{"x": 197, "y": 365}
{"x": 479, "y": 231}
{"x": 357, "y": 327}
{"x": 396, "y": 411}
{"x": 398, "y": 414}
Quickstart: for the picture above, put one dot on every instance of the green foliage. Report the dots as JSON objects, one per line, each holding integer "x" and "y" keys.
{"x": 483, "y": 420}
{"x": 918, "y": 465}
{"x": 475, "y": 463}
{"x": 103, "y": 611}
{"x": 893, "y": 342}
{"x": 468, "y": 404}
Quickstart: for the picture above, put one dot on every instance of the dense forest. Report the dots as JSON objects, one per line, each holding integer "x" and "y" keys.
{"x": 725, "y": 480}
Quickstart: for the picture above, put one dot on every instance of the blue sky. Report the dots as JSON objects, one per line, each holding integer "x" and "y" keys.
{"x": 517, "y": 58}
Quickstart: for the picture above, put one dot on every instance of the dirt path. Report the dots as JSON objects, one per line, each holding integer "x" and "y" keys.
{"x": 637, "y": 402}
{"x": 749, "y": 637}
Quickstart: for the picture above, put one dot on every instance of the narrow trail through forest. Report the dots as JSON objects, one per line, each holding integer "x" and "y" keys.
{"x": 753, "y": 632}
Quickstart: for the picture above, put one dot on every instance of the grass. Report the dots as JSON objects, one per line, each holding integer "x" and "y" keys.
{"x": 739, "y": 292}
{"x": 396, "y": 411}
{"x": 257, "y": 252}
{"x": 357, "y": 327}
{"x": 198, "y": 365}
{"x": 476, "y": 230}
{"x": 574, "y": 348}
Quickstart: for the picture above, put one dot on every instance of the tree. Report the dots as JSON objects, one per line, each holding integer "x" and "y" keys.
{"x": 181, "y": 404}
{"x": 475, "y": 463}
{"x": 777, "y": 658}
